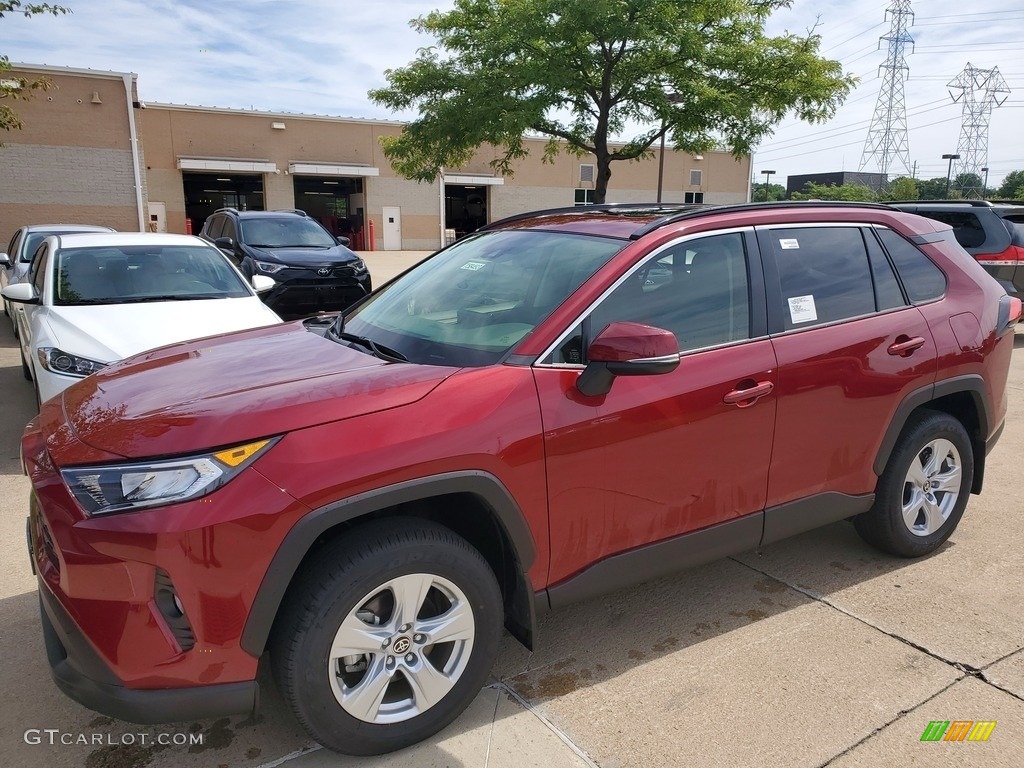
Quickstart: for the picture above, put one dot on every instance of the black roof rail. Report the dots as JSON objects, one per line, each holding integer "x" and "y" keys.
{"x": 740, "y": 207}
{"x": 605, "y": 208}
{"x": 233, "y": 210}
{"x": 974, "y": 203}
{"x": 290, "y": 210}
{"x": 1007, "y": 202}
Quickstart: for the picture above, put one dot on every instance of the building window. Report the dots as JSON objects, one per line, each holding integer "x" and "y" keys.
{"x": 696, "y": 177}
{"x": 584, "y": 197}
{"x": 586, "y": 173}
{"x": 693, "y": 197}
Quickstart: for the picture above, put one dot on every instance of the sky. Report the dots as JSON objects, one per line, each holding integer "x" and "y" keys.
{"x": 322, "y": 56}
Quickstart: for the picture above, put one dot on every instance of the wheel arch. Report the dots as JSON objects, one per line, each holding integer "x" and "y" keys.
{"x": 473, "y": 504}
{"x": 962, "y": 397}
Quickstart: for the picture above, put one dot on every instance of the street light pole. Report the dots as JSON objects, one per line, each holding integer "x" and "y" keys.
{"x": 767, "y": 177}
{"x": 984, "y": 189}
{"x": 949, "y": 170}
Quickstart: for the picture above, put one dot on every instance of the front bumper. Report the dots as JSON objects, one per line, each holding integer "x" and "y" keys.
{"x": 81, "y": 675}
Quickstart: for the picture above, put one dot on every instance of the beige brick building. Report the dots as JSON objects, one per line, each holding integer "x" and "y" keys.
{"x": 74, "y": 162}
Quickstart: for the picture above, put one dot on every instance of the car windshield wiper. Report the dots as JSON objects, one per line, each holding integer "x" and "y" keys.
{"x": 378, "y": 350}
{"x": 168, "y": 297}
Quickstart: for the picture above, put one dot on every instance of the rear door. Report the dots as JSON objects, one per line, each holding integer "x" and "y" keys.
{"x": 850, "y": 347}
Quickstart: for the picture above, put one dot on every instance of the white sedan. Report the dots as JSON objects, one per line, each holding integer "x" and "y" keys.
{"x": 92, "y": 300}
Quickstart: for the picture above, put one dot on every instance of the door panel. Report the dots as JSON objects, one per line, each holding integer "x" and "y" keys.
{"x": 656, "y": 457}
{"x": 843, "y": 366}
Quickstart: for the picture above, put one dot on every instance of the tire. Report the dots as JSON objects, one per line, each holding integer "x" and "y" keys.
{"x": 909, "y": 519}
{"x": 396, "y": 688}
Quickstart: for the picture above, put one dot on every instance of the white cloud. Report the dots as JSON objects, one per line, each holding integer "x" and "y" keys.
{"x": 322, "y": 56}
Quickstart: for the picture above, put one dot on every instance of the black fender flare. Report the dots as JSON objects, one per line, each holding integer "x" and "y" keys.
{"x": 973, "y": 384}
{"x": 308, "y": 529}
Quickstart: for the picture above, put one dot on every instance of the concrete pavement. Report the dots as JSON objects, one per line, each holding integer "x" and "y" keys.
{"x": 817, "y": 651}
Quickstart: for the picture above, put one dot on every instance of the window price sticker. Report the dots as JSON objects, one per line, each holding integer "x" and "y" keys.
{"x": 789, "y": 244}
{"x": 801, "y": 309}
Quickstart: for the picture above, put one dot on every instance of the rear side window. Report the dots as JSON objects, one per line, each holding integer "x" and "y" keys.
{"x": 1015, "y": 226}
{"x": 922, "y": 280}
{"x": 213, "y": 226}
{"x": 887, "y": 288}
{"x": 823, "y": 275}
{"x": 967, "y": 227}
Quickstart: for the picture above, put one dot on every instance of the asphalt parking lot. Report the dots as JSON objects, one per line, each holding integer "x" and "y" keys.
{"x": 816, "y": 651}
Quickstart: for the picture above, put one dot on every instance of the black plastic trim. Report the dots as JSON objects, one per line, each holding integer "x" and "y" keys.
{"x": 80, "y": 674}
{"x": 306, "y": 531}
{"x": 971, "y": 383}
{"x": 802, "y": 515}
{"x": 659, "y": 559}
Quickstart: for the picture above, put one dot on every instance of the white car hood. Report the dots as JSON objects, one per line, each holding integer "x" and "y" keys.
{"x": 110, "y": 332}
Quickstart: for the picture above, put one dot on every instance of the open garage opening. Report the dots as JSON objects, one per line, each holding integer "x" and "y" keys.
{"x": 206, "y": 192}
{"x": 465, "y": 208}
{"x": 335, "y": 201}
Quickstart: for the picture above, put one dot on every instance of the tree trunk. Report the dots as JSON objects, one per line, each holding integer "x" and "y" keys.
{"x": 604, "y": 175}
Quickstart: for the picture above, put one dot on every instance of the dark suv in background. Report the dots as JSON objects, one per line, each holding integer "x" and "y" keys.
{"x": 313, "y": 269}
{"x": 993, "y": 233}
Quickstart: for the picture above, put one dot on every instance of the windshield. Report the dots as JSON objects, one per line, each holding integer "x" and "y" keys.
{"x": 285, "y": 231}
{"x": 471, "y": 303}
{"x": 139, "y": 273}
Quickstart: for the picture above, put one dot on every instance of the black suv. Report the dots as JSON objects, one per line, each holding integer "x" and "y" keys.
{"x": 314, "y": 271}
{"x": 993, "y": 233}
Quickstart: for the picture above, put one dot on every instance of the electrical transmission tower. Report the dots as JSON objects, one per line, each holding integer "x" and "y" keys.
{"x": 980, "y": 91}
{"x": 887, "y": 144}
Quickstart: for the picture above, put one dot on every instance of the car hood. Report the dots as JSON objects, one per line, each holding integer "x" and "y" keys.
{"x": 110, "y": 332}
{"x": 234, "y": 389}
{"x": 305, "y": 257}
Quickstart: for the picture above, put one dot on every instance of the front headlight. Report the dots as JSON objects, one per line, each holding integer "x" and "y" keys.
{"x": 359, "y": 266}
{"x": 58, "y": 361}
{"x": 268, "y": 267}
{"x": 104, "y": 489}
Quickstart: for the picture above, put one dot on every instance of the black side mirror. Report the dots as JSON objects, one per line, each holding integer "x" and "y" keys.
{"x": 342, "y": 240}
{"x": 225, "y": 243}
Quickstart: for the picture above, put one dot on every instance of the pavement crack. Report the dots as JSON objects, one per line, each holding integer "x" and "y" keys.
{"x": 490, "y": 733}
{"x": 562, "y": 736}
{"x": 966, "y": 669}
{"x": 899, "y": 716}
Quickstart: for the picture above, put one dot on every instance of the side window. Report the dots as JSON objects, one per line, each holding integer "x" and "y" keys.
{"x": 823, "y": 275}
{"x": 697, "y": 289}
{"x": 229, "y": 230}
{"x": 13, "y": 246}
{"x": 887, "y": 289}
{"x": 40, "y": 263}
{"x": 966, "y": 226}
{"x": 922, "y": 280}
{"x": 213, "y": 227}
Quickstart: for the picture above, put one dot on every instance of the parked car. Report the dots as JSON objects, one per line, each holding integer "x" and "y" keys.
{"x": 17, "y": 260}
{"x": 993, "y": 233}
{"x": 523, "y": 420}
{"x": 94, "y": 299}
{"x": 312, "y": 270}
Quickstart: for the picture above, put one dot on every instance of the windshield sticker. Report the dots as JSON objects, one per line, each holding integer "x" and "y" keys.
{"x": 801, "y": 309}
{"x": 473, "y": 266}
{"x": 789, "y": 244}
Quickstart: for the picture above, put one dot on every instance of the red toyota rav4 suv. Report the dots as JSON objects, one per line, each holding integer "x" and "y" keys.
{"x": 560, "y": 405}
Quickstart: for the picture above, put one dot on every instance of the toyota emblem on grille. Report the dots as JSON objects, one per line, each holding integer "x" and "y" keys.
{"x": 324, "y": 271}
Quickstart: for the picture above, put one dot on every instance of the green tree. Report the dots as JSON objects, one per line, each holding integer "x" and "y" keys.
{"x": 20, "y": 87}
{"x": 1012, "y": 187}
{"x": 968, "y": 185}
{"x": 935, "y": 189}
{"x": 846, "y": 192}
{"x": 901, "y": 188}
{"x": 582, "y": 72}
{"x": 775, "y": 192}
